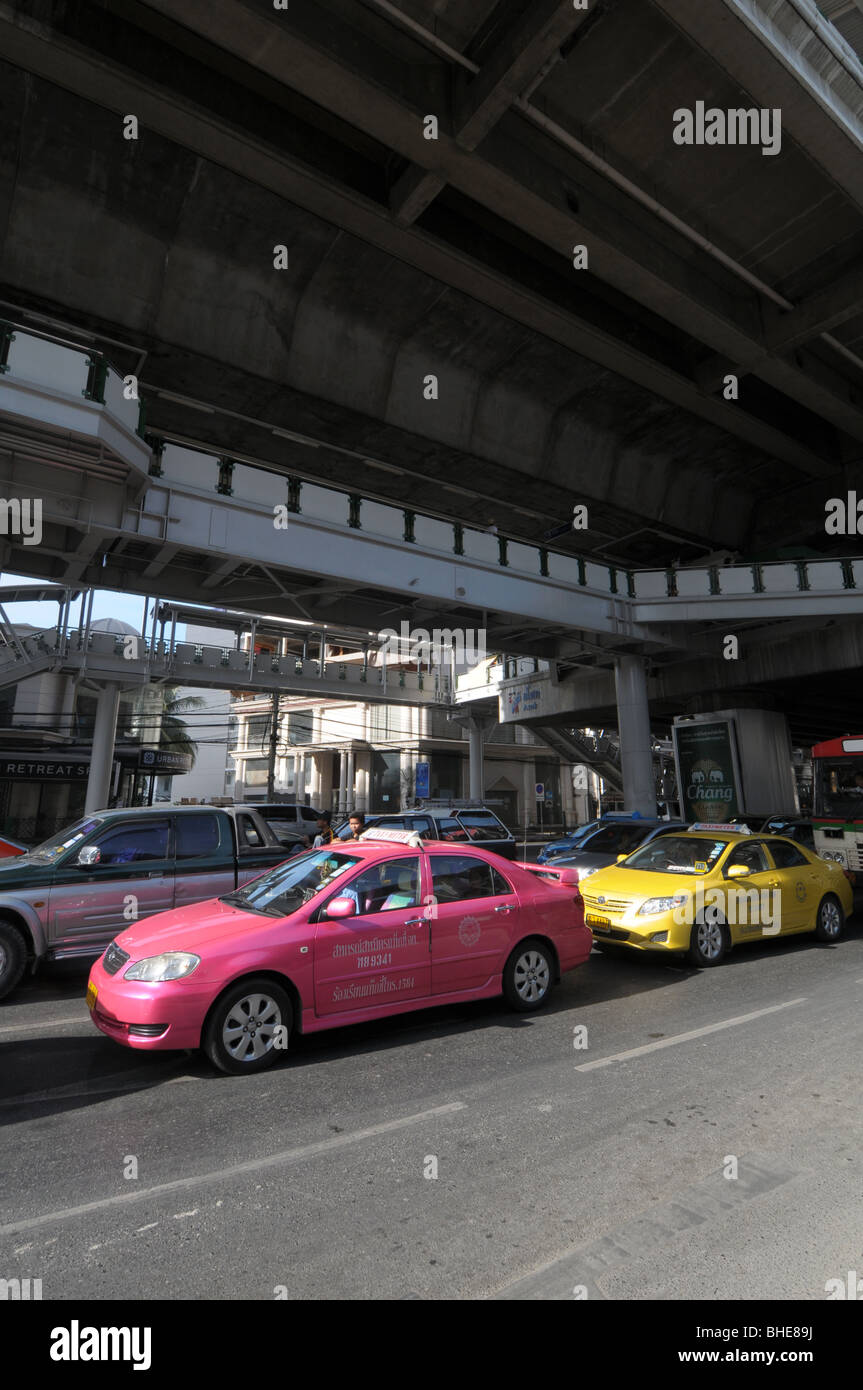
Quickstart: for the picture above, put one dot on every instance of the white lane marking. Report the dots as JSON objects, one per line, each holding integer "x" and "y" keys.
{"x": 149, "y": 1227}
{"x": 181, "y": 1215}
{"x": 252, "y": 1165}
{"x": 686, "y": 1037}
{"x": 49, "y": 1023}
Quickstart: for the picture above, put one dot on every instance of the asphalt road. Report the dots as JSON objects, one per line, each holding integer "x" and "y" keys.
{"x": 597, "y": 1170}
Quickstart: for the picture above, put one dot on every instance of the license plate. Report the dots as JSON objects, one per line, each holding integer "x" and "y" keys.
{"x": 601, "y": 922}
{"x": 92, "y": 993}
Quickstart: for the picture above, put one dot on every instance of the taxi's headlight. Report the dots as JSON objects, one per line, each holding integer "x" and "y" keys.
{"x": 585, "y": 873}
{"x": 653, "y": 906}
{"x": 172, "y": 965}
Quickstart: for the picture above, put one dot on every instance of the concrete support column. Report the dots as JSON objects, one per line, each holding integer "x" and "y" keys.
{"x": 633, "y": 723}
{"x": 363, "y": 780}
{"x": 102, "y": 757}
{"x": 342, "y": 782}
{"x": 299, "y": 777}
{"x": 350, "y": 798}
{"x": 476, "y": 770}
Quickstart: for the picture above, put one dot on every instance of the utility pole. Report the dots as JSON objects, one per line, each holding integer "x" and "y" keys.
{"x": 274, "y": 738}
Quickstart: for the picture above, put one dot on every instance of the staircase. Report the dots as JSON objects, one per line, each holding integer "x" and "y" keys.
{"x": 597, "y": 751}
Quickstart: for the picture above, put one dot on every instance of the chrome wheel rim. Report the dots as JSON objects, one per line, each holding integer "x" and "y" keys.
{"x": 531, "y": 976}
{"x": 250, "y": 1027}
{"x": 831, "y": 922}
{"x": 709, "y": 940}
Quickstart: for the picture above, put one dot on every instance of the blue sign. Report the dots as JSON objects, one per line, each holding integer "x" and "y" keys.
{"x": 540, "y": 791}
{"x": 422, "y": 779}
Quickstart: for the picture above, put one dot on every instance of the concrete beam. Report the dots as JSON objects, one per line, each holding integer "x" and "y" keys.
{"x": 624, "y": 252}
{"x": 775, "y": 75}
{"x": 512, "y": 65}
{"x": 785, "y": 332}
{"x": 187, "y": 126}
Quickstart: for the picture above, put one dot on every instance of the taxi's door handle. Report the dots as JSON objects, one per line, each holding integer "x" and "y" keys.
{"x": 413, "y": 922}
{"x": 505, "y": 907}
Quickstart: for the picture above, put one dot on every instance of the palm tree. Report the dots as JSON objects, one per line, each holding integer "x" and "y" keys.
{"x": 174, "y": 734}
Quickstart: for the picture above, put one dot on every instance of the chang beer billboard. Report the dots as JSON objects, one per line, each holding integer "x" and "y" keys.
{"x": 708, "y": 774}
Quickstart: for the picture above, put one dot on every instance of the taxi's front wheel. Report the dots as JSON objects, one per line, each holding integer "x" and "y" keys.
{"x": 708, "y": 944}
{"x": 249, "y": 1026}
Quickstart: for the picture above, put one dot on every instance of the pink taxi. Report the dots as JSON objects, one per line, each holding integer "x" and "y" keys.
{"x": 338, "y": 935}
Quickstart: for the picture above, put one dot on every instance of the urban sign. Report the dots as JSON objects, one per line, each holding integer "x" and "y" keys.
{"x": 161, "y": 760}
{"x": 707, "y": 770}
{"x": 44, "y": 769}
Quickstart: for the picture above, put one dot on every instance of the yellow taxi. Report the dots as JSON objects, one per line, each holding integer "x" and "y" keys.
{"x": 711, "y": 887}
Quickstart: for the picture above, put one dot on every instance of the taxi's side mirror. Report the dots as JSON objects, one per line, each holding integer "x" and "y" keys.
{"x": 622, "y": 856}
{"x": 739, "y": 871}
{"x": 88, "y": 856}
{"x": 342, "y": 907}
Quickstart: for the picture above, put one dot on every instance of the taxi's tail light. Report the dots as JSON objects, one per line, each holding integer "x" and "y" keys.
{"x": 850, "y": 875}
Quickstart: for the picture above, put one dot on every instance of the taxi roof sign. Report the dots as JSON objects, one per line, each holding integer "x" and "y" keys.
{"x": 737, "y": 827}
{"x": 400, "y": 837}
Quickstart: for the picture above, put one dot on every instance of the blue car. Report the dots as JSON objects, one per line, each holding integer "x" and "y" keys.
{"x": 609, "y": 836}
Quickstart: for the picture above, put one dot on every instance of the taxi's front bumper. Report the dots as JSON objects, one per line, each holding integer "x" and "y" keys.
{"x": 152, "y": 1017}
{"x": 659, "y": 933}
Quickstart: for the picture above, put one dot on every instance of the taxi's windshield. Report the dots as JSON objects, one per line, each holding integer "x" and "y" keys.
{"x": 49, "y": 850}
{"x": 676, "y": 854}
{"x": 284, "y": 889}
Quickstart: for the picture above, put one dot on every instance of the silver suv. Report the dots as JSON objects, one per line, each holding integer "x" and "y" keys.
{"x": 71, "y": 895}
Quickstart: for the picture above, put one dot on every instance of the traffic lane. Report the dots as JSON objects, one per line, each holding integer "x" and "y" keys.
{"x": 613, "y": 1003}
{"x": 532, "y": 1170}
{"x": 58, "y": 1061}
{"x": 50, "y": 1049}
{"x": 649, "y": 1122}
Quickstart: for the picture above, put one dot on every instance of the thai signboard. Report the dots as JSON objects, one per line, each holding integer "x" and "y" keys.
{"x": 707, "y": 770}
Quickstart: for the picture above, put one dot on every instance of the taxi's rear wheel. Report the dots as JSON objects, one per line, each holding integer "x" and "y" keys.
{"x": 708, "y": 944}
{"x": 528, "y": 976}
{"x": 249, "y": 1027}
{"x": 13, "y": 957}
{"x": 830, "y": 922}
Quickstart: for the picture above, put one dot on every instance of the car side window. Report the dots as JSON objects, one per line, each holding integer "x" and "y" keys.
{"x": 628, "y": 838}
{"x": 786, "y": 856}
{"x": 197, "y": 836}
{"x": 482, "y": 826}
{"x": 248, "y": 834}
{"x": 458, "y": 877}
{"x": 388, "y": 886}
{"x": 422, "y": 825}
{"x": 752, "y": 856}
{"x": 133, "y": 844}
{"x": 604, "y": 841}
{"x": 451, "y": 829}
{"x": 501, "y": 886}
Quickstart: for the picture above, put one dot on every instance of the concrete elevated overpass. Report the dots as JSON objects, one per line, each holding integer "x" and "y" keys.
{"x": 321, "y": 306}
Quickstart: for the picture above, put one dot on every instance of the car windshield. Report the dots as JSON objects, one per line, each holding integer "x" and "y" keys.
{"x": 284, "y": 889}
{"x": 839, "y": 788}
{"x": 49, "y": 850}
{"x": 676, "y": 854}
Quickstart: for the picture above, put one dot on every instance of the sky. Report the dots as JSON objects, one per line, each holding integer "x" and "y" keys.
{"x": 106, "y": 604}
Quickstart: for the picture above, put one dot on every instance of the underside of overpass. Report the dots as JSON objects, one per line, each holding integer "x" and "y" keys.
{"x": 409, "y": 258}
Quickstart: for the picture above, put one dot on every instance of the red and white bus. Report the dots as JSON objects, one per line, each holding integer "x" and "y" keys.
{"x": 837, "y": 800}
